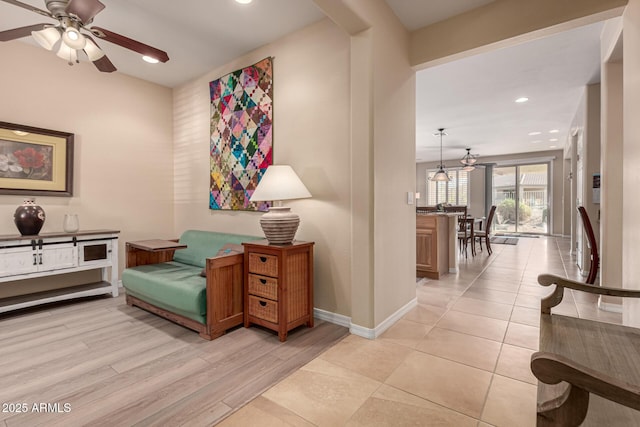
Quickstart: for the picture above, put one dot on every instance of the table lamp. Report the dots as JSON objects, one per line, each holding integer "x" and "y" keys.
{"x": 279, "y": 182}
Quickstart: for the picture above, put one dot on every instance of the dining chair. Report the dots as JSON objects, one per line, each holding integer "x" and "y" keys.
{"x": 485, "y": 233}
{"x": 465, "y": 236}
{"x": 593, "y": 246}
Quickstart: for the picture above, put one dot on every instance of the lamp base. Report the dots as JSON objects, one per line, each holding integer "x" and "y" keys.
{"x": 280, "y": 225}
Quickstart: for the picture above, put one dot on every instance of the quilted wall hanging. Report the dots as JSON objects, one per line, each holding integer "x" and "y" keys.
{"x": 241, "y": 136}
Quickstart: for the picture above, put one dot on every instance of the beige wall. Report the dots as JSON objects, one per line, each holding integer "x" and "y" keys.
{"x": 611, "y": 159}
{"x": 592, "y": 161}
{"x": 477, "y": 181}
{"x": 587, "y": 125}
{"x": 382, "y": 146}
{"x": 501, "y": 23}
{"x": 311, "y": 133}
{"x": 123, "y": 166}
{"x": 394, "y": 152}
{"x": 631, "y": 172}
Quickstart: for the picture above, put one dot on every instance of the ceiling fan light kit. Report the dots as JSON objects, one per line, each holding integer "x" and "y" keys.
{"x": 469, "y": 160}
{"x": 67, "y": 38}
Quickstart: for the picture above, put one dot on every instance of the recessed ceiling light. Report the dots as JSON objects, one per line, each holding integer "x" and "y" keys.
{"x": 534, "y": 133}
{"x": 552, "y": 146}
{"x": 522, "y": 99}
{"x": 244, "y": 1}
{"x": 553, "y": 140}
{"x": 554, "y": 131}
{"x": 537, "y": 141}
{"x": 150, "y": 60}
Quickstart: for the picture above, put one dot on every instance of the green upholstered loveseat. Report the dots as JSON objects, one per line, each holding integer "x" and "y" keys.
{"x": 170, "y": 283}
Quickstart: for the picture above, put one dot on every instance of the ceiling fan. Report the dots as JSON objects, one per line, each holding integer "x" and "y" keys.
{"x": 71, "y": 34}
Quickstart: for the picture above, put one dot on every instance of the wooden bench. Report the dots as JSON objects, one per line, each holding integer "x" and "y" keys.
{"x": 589, "y": 371}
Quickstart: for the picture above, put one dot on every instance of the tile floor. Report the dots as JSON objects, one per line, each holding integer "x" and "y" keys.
{"x": 460, "y": 358}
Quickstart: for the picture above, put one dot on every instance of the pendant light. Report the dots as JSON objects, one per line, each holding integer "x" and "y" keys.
{"x": 469, "y": 159}
{"x": 441, "y": 175}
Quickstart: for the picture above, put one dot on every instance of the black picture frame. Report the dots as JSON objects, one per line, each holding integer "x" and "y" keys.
{"x": 35, "y": 161}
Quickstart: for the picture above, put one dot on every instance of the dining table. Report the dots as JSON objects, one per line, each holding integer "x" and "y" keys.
{"x": 471, "y": 222}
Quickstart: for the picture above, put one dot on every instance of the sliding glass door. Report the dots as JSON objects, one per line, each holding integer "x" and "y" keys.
{"x": 521, "y": 194}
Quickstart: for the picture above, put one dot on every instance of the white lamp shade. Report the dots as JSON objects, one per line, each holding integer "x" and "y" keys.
{"x": 441, "y": 176}
{"x": 47, "y": 38}
{"x": 65, "y": 52}
{"x": 93, "y": 51}
{"x": 279, "y": 182}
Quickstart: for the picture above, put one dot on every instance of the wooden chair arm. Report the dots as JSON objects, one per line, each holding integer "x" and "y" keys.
{"x": 551, "y": 279}
{"x": 552, "y": 369}
{"x": 561, "y": 283}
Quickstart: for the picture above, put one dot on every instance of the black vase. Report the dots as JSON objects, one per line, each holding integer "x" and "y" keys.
{"x": 29, "y": 217}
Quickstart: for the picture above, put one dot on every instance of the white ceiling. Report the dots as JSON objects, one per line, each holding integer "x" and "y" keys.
{"x": 472, "y": 98}
{"x": 198, "y": 35}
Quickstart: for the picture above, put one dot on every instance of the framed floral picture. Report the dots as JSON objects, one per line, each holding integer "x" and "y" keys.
{"x": 35, "y": 161}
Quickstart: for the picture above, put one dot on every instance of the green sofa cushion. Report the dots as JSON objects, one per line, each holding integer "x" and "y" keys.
{"x": 170, "y": 285}
{"x": 205, "y": 244}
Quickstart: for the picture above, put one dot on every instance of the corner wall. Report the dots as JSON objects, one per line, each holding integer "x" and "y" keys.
{"x": 631, "y": 172}
{"x": 611, "y": 232}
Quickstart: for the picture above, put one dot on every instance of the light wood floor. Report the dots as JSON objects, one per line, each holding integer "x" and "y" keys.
{"x": 118, "y": 365}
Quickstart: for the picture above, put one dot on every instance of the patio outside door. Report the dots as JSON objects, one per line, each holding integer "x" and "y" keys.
{"x": 527, "y": 188}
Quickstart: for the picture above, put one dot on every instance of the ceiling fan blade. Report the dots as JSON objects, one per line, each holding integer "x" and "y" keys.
{"x": 84, "y": 9}
{"x": 17, "y": 33}
{"x": 29, "y": 7}
{"x": 97, "y": 56}
{"x": 131, "y": 44}
{"x": 104, "y": 65}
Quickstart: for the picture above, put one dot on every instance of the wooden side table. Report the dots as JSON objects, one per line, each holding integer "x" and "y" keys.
{"x": 278, "y": 291}
{"x": 143, "y": 252}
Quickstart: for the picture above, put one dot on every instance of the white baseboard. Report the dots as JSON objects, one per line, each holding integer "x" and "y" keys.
{"x": 386, "y": 324}
{"x": 119, "y": 283}
{"x": 610, "y": 307}
{"x": 337, "y": 319}
{"x": 361, "y": 331}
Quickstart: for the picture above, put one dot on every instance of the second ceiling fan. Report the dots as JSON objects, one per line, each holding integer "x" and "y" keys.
{"x": 71, "y": 35}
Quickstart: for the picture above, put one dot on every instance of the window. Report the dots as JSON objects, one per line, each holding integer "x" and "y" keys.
{"x": 454, "y": 192}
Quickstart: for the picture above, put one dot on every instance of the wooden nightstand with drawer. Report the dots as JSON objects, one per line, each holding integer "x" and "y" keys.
{"x": 278, "y": 290}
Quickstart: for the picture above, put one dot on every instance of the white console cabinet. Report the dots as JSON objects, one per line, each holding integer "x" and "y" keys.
{"x": 26, "y": 257}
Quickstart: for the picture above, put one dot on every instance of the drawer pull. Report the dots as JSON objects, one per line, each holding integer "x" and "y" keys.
{"x": 263, "y": 259}
{"x": 263, "y": 281}
{"x": 263, "y": 303}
